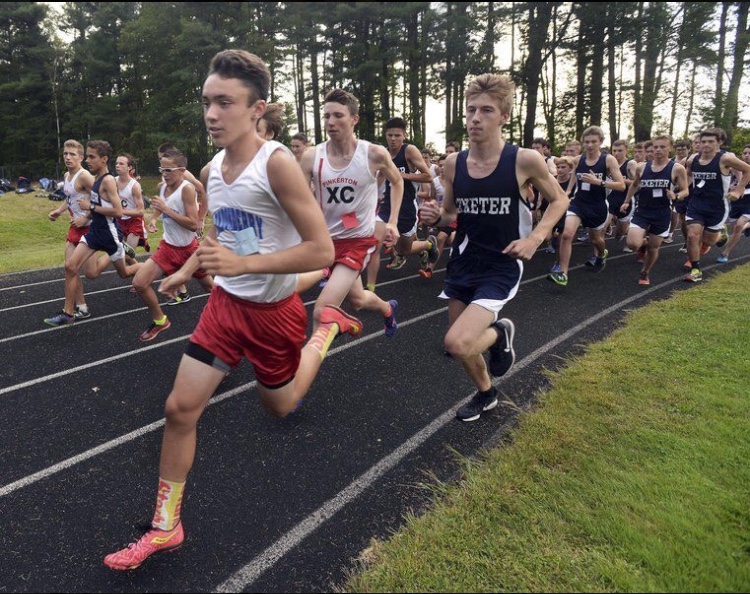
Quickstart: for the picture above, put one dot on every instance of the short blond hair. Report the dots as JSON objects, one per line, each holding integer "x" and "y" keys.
{"x": 568, "y": 160}
{"x": 74, "y": 144}
{"x": 593, "y": 131}
{"x": 498, "y": 86}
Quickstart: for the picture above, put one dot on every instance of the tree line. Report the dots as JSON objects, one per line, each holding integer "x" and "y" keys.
{"x": 131, "y": 72}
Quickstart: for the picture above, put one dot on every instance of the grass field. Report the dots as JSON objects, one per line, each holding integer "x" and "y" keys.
{"x": 631, "y": 475}
{"x": 28, "y": 239}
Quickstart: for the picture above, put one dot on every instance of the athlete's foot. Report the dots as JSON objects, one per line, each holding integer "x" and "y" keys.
{"x": 347, "y": 324}
{"x": 154, "y": 541}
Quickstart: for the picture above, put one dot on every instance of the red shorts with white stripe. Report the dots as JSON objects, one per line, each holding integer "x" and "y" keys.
{"x": 75, "y": 234}
{"x": 133, "y": 226}
{"x": 170, "y": 258}
{"x": 354, "y": 253}
{"x": 269, "y": 335}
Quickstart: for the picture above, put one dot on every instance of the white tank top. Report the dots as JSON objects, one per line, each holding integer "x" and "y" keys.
{"x": 73, "y": 197}
{"x": 126, "y": 197}
{"x": 348, "y": 196}
{"x": 174, "y": 233}
{"x": 249, "y": 219}
{"x": 439, "y": 189}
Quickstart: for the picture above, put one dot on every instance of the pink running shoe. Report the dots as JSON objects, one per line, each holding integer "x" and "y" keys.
{"x": 154, "y": 541}
{"x": 347, "y": 324}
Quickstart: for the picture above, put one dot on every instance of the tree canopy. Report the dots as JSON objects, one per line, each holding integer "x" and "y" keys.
{"x": 131, "y": 72}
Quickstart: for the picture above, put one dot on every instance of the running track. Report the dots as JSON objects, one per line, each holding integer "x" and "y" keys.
{"x": 271, "y": 505}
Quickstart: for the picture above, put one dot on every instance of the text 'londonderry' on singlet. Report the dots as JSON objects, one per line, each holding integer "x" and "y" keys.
{"x": 491, "y": 212}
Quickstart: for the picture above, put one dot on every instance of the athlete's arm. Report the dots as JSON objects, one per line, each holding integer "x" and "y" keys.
{"x": 442, "y": 216}
{"x": 531, "y": 169}
{"x": 139, "y": 209}
{"x": 730, "y": 161}
{"x": 108, "y": 192}
{"x": 613, "y": 168}
{"x": 679, "y": 180}
{"x": 633, "y": 187}
{"x": 416, "y": 162}
{"x": 381, "y": 162}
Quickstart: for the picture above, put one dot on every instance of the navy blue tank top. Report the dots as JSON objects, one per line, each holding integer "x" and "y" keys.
{"x": 594, "y": 194}
{"x": 652, "y": 193}
{"x": 410, "y": 192}
{"x": 99, "y": 221}
{"x": 491, "y": 213}
{"x": 617, "y": 195}
{"x": 709, "y": 184}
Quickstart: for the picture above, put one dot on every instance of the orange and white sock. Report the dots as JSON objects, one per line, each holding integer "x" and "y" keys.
{"x": 168, "y": 504}
{"x": 323, "y": 337}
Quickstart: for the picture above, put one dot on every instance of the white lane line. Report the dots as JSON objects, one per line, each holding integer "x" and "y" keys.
{"x": 59, "y": 299}
{"x": 268, "y": 558}
{"x": 292, "y": 538}
{"x": 272, "y": 554}
{"x": 123, "y": 439}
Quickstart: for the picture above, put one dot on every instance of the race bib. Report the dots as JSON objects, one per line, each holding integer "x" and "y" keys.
{"x": 246, "y": 242}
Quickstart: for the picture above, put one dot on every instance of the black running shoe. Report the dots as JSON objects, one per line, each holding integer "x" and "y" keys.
{"x": 478, "y": 404}
{"x": 502, "y": 355}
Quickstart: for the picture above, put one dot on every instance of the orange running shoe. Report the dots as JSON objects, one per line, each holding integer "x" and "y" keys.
{"x": 154, "y": 541}
{"x": 347, "y": 324}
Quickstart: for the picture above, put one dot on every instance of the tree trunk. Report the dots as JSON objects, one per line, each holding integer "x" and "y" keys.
{"x": 637, "y": 86}
{"x": 539, "y": 17}
{"x": 719, "y": 97}
{"x": 582, "y": 63}
{"x": 691, "y": 99}
{"x": 730, "y": 118}
{"x": 678, "y": 70}
{"x": 614, "y": 129}
{"x": 315, "y": 86}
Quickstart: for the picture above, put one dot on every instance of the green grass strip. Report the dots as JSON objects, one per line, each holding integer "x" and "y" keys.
{"x": 631, "y": 475}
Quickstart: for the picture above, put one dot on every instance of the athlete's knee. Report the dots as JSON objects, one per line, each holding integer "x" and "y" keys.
{"x": 278, "y": 409}
{"x": 357, "y": 301}
{"x": 634, "y": 242}
{"x": 179, "y": 412}
{"x": 456, "y": 346}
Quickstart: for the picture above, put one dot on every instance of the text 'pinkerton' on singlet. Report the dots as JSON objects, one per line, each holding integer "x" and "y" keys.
{"x": 348, "y": 197}
{"x": 126, "y": 197}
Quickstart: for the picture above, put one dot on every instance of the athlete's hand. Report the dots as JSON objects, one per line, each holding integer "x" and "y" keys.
{"x": 429, "y": 212}
{"x": 426, "y": 196}
{"x": 169, "y": 286}
{"x": 590, "y": 178}
{"x": 734, "y": 194}
{"x": 522, "y": 249}
{"x": 81, "y": 222}
{"x": 152, "y": 228}
{"x": 157, "y": 203}
{"x": 53, "y": 215}
{"x": 625, "y": 206}
{"x": 391, "y": 235}
{"x": 215, "y": 259}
